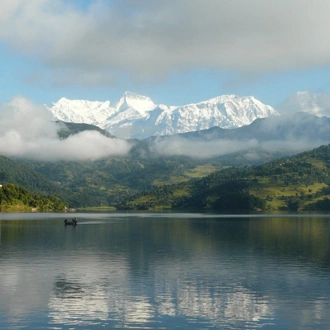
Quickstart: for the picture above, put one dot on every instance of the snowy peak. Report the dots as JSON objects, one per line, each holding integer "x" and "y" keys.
{"x": 138, "y": 117}
{"x": 224, "y": 99}
{"x": 64, "y": 102}
{"x": 237, "y": 101}
{"x": 140, "y": 103}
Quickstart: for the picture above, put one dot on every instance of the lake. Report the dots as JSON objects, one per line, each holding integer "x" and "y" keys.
{"x": 164, "y": 271}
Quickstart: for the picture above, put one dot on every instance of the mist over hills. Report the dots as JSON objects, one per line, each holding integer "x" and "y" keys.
{"x": 27, "y": 131}
{"x": 223, "y": 125}
{"x": 262, "y": 140}
{"x": 300, "y": 182}
{"x": 300, "y": 125}
{"x": 285, "y": 135}
{"x": 155, "y": 161}
{"x": 47, "y": 140}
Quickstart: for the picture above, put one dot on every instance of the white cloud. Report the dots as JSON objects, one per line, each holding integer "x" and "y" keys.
{"x": 200, "y": 149}
{"x": 317, "y": 104}
{"x": 209, "y": 149}
{"x": 144, "y": 39}
{"x": 26, "y": 130}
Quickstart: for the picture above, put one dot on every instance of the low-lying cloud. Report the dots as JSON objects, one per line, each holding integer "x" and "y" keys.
{"x": 317, "y": 104}
{"x": 27, "y": 131}
{"x": 200, "y": 149}
{"x": 285, "y": 134}
{"x": 209, "y": 149}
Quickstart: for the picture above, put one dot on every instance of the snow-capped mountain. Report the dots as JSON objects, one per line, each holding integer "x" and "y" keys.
{"x": 136, "y": 116}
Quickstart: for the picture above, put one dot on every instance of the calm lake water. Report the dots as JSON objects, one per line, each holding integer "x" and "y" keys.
{"x": 164, "y": 271}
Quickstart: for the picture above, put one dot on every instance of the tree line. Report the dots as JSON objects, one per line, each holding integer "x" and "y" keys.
{"x": 14, "y": 197}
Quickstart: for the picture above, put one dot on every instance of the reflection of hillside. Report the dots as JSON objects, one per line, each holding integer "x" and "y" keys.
{"x": 92, "y": 289}
{"x": 85, "y": 303}
{"x": 64, "y": 288}
{"x": 220, "y": 292}
{"x": 234, "y": 290}
{"x": 177, "y": 236}
{"x": 300, "y": 237}
{"x": 296, "y": 237}
{"x": 222, "y": 273}
{"x": 220, "y": 288}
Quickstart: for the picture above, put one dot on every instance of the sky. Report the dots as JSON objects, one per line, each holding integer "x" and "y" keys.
{"x": 175, "y": 52}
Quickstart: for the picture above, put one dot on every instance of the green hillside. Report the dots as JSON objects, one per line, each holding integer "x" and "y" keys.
{"x": 100, "y": 183}
{"x": 68, "y": 129}
{"x": 294, "y": 183}
{"x": 14, "y": 172}
{"x": 16, "y": 198}
{"x": 109, "y": 181}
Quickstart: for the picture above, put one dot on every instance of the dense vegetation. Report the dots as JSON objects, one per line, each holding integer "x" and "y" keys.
{"x": 297, "y": 183}
{"x": 19, "y": 173}
{"x": 143, "y": 180}
{"x": 109, "y": 181}
{"x": 68, "y": 129}
{"x": 16, "y": 198}
{"x": 103, "y": 182}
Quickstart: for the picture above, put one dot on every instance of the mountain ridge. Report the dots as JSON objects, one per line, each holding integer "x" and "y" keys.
{"x": 300, "y": 182}
{"x": 138, "y": 117}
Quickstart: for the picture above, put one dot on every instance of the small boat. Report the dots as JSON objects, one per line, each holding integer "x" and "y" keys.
{"x": 73, "y": 222}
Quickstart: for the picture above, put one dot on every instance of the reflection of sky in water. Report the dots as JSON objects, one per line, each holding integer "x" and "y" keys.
{"x": 178, "y": 290}
{"x": 91, "y": 297}
{"x": 211, "y": 294}
{"x": 127, "y": 276}
{"x": 88, "y": 290}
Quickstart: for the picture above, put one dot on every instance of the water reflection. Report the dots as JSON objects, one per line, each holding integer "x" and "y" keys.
{"x": 71, "y": 302}
{"x": 171, "y": 273}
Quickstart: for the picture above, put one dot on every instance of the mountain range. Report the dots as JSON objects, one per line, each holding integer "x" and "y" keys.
{"x": 300, "y": 126}
{"x": 276, "y": 136}
{"x": 238, "y": 131}
{"x": 138, "y": 117}
{"x": 262, "y": 140}
{"x": 163, "y": 160}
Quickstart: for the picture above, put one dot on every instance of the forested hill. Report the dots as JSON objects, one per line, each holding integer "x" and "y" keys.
{"x": 22, "y": 174}
{"x": 16, "y": 198}
{"x": 294, "y": 183}
{"x": 68, "y": 129}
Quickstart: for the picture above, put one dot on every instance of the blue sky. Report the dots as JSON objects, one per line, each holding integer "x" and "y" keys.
{"x": 175, "y": 52}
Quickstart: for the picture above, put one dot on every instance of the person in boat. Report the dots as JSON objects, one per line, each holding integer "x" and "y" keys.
{"x": 73, "y": 222}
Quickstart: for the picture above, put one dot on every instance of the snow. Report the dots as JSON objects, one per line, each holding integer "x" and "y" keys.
{"x": 138, "y": 117}
{"x": 140, "y": 103}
